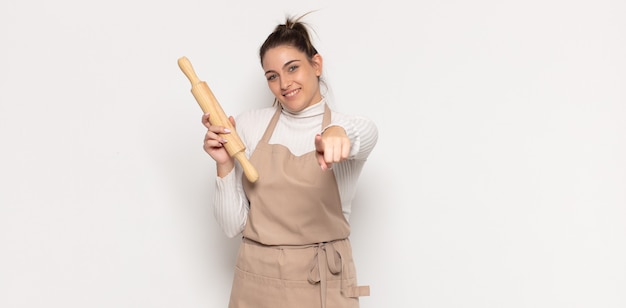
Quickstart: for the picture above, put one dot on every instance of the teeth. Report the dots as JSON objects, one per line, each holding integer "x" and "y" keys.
{"x": 292, "y": 93}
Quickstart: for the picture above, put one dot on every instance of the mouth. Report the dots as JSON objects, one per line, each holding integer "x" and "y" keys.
{"x": 291, "y": 93}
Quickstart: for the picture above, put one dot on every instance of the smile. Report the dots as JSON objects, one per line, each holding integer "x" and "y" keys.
{"x": 291, "y": 93}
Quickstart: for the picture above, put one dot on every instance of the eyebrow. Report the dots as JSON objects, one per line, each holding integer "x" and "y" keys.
{"x": 284, "y": 65}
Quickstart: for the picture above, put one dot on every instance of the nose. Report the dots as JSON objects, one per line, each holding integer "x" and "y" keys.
{"x": 285, "y": 83}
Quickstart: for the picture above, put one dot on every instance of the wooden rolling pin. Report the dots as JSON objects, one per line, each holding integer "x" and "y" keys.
{"x": 209, "y": 104}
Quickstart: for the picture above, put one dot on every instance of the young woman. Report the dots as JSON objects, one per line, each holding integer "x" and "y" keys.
{"x": 293, "y": 220}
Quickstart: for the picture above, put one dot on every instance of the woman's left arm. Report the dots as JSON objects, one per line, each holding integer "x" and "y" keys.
{"x": 362, "y": 133}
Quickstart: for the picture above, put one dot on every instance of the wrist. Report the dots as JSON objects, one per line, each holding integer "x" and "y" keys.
{"x": 223, "y": 169}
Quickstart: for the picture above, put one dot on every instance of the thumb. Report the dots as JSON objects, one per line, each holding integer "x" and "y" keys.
{"x": 319, "y": 146}
{"x": 319, "y": 152}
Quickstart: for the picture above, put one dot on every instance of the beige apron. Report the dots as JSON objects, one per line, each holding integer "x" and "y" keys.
{"x": 295, "y": 251}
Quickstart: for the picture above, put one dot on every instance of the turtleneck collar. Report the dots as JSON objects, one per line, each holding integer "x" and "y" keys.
{"x": 311, "y": 111}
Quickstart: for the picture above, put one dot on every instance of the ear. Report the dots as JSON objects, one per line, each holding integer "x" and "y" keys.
{"x": 317, "y": 62}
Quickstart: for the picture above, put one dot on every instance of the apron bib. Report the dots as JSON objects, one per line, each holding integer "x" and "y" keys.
{"x": 295, "y": 250}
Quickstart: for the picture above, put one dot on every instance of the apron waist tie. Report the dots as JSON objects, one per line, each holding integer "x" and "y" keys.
{"x": 328, "y": 258}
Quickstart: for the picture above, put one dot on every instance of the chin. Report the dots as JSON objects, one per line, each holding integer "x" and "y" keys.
{"x": 293, "y": 107}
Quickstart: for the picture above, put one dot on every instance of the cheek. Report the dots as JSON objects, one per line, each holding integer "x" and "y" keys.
{"x": 274, "y": 87}
{"x": 311, "y": 77}
{"x": 312, "y": 80}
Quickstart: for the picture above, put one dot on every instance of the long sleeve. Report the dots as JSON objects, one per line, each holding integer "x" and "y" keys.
{"x": 230, "y": 204}
{"x": 362, "y": 132}
{"x": 296, "y": 132}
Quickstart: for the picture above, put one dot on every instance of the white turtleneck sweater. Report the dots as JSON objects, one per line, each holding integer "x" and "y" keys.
{"x": 297, "y": 132}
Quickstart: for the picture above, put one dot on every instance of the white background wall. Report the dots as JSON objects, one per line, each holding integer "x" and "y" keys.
{"x": 499, "y": 179}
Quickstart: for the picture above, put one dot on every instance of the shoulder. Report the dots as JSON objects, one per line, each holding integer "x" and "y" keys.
{"x": 341, "y": 115}
{"x": 252, "y": 123}
{"x": 360, "y": 120}
{"x": 255, "y": 116}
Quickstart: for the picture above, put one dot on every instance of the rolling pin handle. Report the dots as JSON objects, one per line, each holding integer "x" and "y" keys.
{"x": 187, "y": 68}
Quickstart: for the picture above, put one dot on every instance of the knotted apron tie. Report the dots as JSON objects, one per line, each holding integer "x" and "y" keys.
{"x": 328, "y": 258}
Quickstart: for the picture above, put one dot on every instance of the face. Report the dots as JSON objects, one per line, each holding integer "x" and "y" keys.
{"x": 292, "y": 78}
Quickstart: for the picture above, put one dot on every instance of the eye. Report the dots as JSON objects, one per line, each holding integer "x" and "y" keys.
{"x": 270, "y": 77}
{"x": 293, "y": 68}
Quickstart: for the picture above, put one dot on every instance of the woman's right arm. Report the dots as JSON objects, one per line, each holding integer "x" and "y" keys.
{"x": 230, "y": 206}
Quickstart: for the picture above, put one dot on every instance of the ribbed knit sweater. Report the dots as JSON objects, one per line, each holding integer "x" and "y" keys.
{"x": 297, "y": 132}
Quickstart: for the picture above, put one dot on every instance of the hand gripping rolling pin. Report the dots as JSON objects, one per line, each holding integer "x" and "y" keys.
{"x": 209, "y": 104}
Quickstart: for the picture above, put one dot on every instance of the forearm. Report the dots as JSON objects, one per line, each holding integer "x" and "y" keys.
{"x": 362, "y": 132}
{"x": 230, "y": 206}
{"x": 225, "y": 168}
